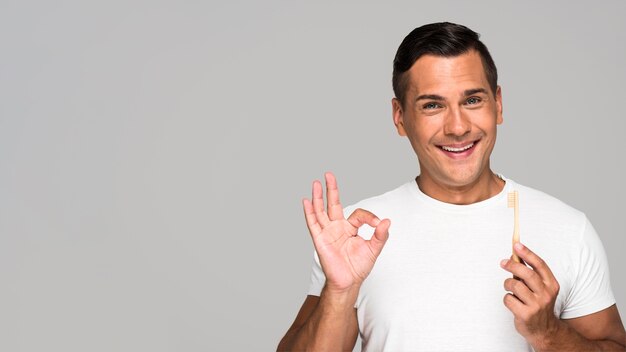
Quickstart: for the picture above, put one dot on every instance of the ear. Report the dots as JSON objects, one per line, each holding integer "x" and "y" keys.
{"x": 499, "y": 118}
{"x": 397, "y": 113}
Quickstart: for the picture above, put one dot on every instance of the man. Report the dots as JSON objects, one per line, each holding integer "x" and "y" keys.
{"x": 431, "y": 281}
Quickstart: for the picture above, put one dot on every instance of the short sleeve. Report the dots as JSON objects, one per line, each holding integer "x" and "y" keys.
{"x": 591, "y": 289}
{"x": 318, "y": 279}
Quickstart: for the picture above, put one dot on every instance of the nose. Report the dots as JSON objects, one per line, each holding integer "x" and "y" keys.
{"x": 456, "y": 123}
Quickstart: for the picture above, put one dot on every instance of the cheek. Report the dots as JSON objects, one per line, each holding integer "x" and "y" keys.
{"x": 421, "y": 140}
{"x": 485, "y": 122}
{"x": 419, "y": 137}
{"x": 424, "y": 130}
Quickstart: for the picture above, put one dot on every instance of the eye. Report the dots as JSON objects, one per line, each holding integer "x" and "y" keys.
{"x": 473, "y": 100}
{"x": 431, "y": 106}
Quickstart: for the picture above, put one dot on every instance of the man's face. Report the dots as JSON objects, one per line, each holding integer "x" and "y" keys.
{"x": 450, "y": 116}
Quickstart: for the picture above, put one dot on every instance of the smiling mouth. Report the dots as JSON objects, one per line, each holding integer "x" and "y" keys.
{"x": 458, "y": 148}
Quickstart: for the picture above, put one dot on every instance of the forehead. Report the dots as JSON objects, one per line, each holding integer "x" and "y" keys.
{"x": 447, "y": 76}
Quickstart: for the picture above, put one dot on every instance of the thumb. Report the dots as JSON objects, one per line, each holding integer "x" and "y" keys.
{"x": 381, "y": 234}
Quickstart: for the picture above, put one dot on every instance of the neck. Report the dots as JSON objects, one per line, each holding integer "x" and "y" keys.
{"x": 484, "y": 187}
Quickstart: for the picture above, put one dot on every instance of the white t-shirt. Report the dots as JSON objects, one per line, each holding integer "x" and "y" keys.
{"x": 438, "y": 284}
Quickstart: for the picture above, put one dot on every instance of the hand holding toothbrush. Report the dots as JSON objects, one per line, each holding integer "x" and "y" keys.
{"x": 532, "y": 296}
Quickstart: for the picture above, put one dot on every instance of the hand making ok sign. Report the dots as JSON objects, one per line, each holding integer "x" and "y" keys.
{"x": 346, "y": 258}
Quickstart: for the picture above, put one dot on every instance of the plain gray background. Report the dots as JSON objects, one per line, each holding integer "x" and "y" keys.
{"x": 153, "y": 154}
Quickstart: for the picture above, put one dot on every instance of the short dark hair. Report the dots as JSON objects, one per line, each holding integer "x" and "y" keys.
{"x": 440, "y": 39}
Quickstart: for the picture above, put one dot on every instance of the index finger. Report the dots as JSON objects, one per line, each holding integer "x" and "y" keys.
{"x": 311, "y": 220}
{"x": 532, "y": 259}
{"x": 360, "y": 217}
{"x": 334, "y": 208}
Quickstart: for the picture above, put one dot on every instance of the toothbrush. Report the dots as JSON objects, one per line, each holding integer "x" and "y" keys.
{"x": 514, "y": 203}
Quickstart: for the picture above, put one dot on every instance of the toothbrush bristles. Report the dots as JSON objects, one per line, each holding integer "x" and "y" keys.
{"x": 512, "y": 199}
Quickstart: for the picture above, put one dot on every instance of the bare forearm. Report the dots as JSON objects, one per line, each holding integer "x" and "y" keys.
{"x": 565, "y": 338}
{"x": 331, "y": 327}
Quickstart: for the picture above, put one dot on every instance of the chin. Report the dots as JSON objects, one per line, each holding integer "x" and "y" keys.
{"x": 461, "y": 178}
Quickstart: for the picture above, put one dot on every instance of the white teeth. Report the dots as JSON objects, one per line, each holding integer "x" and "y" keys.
{"x": 450, "y": 149}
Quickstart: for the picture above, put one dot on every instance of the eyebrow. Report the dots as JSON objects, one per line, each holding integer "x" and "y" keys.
{"x": 440, "y": 98}
{"x": 429, "y": 97}
{"x": 474, "y": 91}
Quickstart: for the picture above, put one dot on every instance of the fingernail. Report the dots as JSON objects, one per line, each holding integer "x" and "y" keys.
{"x": 503, "y": 262}
{"x": 519, "y": 246}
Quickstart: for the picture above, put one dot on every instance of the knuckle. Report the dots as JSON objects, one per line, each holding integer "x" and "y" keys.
{"x": 556, "y": 287}
{"x": 523, "y": 316}
{"x": 515, "y": 284}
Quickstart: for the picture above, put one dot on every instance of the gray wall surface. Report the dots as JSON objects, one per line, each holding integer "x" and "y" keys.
{"x": 153, "y": 154}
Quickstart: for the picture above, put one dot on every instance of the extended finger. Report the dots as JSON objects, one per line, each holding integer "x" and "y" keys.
{"x": 532, "y": 259}
{"x": 360, "y": 217}
{"x": 311, "y": 219}
{"x": 318, "y": 204}
{"x": 335, "y": 211}
{"x": 519, "y": 289}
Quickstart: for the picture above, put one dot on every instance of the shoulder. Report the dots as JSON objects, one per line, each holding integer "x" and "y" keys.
{"x": 537, "y": 201}
{"x": 543, "y": 212}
